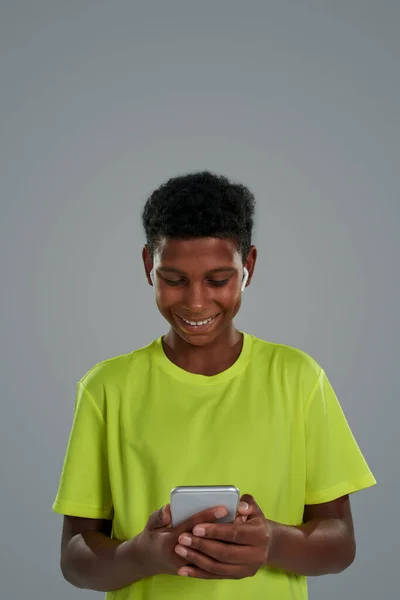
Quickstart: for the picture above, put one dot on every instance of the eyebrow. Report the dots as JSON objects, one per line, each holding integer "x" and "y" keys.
{"x": 218, "y": 270}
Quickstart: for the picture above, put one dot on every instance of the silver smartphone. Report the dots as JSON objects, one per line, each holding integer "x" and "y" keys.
{"x": 187, "y": 501}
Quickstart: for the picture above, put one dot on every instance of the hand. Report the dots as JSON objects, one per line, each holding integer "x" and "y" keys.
{"x": 227, "y": 550}
{"x": 156, "y": 544}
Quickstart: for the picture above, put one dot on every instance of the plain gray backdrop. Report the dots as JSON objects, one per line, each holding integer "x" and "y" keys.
{"x": 103, "y": 101}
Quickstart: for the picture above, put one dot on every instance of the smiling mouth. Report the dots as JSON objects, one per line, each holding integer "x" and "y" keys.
{"x": 197, "y": 325}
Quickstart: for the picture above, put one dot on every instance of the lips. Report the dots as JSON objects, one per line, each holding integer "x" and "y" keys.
{"x": 197, "y": 320}
{"x": 194, "y": 328}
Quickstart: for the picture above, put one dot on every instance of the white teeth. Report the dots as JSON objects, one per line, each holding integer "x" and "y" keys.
{"x": 197, "y": 323}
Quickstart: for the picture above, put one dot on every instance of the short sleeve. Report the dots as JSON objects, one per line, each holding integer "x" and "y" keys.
{"x": 84, "y": 488}
{"x": 335, "y": 464}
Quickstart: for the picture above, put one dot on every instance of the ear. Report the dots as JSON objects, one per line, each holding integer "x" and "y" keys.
{"x": 148, "y": 265}
{"x": 248, "y": 269}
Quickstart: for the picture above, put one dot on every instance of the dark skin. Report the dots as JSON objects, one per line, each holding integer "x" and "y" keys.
{"x": 91, "y": 559}
{"x": 235, "y": 551}
{"x": 323, "y": 544}
{"x": 198, "y": 279}
{"x": 189, "y": 274}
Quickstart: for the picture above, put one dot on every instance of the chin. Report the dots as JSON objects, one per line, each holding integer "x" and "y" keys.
{"x": 198, "y": 340}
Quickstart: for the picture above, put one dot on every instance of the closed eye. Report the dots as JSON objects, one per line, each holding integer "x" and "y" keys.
{"x": 212, "y": 282}
{"x": 169, "y": 282}
{"x": 218, "y": 283}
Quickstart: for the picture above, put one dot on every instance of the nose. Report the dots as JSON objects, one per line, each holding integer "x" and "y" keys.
{"x": 196, "y": 298}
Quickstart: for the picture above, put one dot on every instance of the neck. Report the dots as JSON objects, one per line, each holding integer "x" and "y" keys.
{"x": 210, "y": 359}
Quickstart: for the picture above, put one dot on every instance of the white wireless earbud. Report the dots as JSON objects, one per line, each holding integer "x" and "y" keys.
{"x": 153, "y": 279}
{"x": 245, "y": 278}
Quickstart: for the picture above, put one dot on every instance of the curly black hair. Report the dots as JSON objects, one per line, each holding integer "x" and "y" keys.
{"x": 199, "y": 205}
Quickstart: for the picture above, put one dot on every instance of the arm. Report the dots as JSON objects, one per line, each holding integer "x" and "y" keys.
{"x": 324, "y": 544}
{"x": 90, "y": 559}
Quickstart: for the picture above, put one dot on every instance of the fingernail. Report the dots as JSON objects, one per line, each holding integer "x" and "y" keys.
{"x": 244, "y": 506}
{"x": 220, "y": 512}
{"x": 181, "y": 551}
{"x": 199, "y": 531}
{"x": 185, "y": 540}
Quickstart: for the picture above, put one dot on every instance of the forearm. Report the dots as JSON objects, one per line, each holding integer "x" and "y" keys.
{"x": 319, "y": 547}
{"x": 94, "y": 561}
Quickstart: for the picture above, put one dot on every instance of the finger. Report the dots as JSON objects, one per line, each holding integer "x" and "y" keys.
{"x": 167, "y": 514}
{"x": 230, "y": 554}
{"x": 243, "y": 534}
{"x": 210, "y": 515}
{"x": 240, "y": 519}
{"x": 197, "y": 573}
{"x": 210, "y": 565}
{"x": 159, "y": 518}
{"x": 248, "y": 506}
{"x": 244, "y": 508}
{"x": 244, "y": 511}
{"x": 253, "y": 510}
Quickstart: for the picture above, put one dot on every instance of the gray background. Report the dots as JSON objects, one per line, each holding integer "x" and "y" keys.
{"x": 100, "y": 103}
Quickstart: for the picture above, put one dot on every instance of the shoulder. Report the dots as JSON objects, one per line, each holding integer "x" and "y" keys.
{"x": 285, "y": 363}
{"x": 283, "y": 354}
{"x": 114, "y": 371}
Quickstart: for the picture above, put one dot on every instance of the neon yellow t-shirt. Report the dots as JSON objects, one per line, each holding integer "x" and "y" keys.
{"x": 270, "y": 425}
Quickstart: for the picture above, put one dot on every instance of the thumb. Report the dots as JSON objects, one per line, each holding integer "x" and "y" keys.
{"x": 248, "y": 507}
{"x": 160, "y": 518}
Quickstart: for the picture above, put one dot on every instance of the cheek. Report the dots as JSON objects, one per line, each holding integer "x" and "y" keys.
{"x": 167, "y": 299}
{"x": 237, "y": 306}
{"x": 230, "y": 302}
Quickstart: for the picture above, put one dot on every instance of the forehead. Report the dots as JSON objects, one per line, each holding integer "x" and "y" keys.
{"x": 202, "y": 254}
